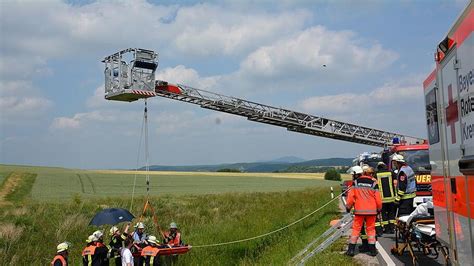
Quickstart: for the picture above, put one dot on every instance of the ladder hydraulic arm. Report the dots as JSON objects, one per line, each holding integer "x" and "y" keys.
{"x": 291, "y": 120}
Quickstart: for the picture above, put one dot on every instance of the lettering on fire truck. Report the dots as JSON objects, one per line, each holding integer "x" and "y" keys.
{"x": 423, "y": 179}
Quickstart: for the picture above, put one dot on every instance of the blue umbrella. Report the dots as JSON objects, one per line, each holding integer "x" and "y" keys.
{"x": 111, "y": 216}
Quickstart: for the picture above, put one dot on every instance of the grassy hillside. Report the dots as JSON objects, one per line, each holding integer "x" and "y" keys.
{"x": 30, "y": 229}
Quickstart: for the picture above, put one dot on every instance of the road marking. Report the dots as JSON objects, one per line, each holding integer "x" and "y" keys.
{"x": 384, "y": 255}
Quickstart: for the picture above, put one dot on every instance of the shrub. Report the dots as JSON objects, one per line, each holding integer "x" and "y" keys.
{"x": 332, "y": 174}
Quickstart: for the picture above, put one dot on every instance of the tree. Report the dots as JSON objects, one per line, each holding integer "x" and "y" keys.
{"x": 332, "y": 174}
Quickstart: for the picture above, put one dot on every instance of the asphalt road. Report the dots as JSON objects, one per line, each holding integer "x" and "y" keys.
{"x": 388, "y": 241}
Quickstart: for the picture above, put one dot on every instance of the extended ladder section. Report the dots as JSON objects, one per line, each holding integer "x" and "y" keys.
{"x": 130, "y": 76}
{"x": 291, "y": 120}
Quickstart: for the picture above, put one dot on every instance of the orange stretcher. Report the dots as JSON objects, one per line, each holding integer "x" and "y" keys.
{"x": 164, "y": 250}
{"x": 168, "y": 251}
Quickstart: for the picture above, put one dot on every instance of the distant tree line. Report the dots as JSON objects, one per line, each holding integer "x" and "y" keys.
{"x": 229, "y": 170}
{"x": 313, "y": 169}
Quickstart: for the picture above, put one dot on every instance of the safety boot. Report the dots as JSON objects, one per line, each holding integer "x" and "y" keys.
{"x": 351, "y": 250}
{"x": 364, "y": 247}
{"x": 372, "y": 250}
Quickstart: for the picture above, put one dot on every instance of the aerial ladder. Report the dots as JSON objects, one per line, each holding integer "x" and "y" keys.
{"x": 130, "y": 81}
{"x": 130, "y": 76}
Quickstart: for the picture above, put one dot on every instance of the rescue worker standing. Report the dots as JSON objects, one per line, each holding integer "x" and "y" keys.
{"x": 95, "y": 253}
{"x": 406, "y": 185}
{"x": 116, "y": 243}
{"x": 150, "y": 253}
{"x": 139, "y": 236}
{"x": 173, "y": 237}
{"x": 61, "y": 255}
{"x": 365, "y": 198}
{"x": 387, "y": 193}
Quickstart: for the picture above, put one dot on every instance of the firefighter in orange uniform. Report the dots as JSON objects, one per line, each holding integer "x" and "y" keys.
{"x": 150, "y": 253}
{"x": 61, "y": 256}
{"x": 173, "y": 237}
{"x": 365, "y": 198}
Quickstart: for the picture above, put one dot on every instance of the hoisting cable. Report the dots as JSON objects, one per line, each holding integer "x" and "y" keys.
{"x": 147, "y": 204}
{"x": 138, "y": 160}
{"x": 147, "y": 154}
{"x": 274, "y": 231}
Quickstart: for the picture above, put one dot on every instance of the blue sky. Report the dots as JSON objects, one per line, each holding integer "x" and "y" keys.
{"x": 51, "y": 83}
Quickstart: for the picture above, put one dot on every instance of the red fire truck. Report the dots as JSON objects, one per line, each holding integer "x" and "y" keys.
{"x": 449, "y": 100}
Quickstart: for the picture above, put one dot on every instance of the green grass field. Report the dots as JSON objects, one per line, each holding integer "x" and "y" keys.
{"x": 209, "y": 208}
{"x": 60, "y": 183}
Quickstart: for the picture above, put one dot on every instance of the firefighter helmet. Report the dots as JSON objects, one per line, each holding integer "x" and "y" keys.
{"x": 62, "y": 247}
{"x": 152, "y": 239}
{"x": 113, "y": 230}
{"x": 357, "y": 170}
{"x": 398, "y": 158}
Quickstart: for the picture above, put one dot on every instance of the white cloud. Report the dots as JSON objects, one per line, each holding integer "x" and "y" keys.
{"x": 186, "y": 76}
{"x": 98, "y": 99}
{"x": 14, "y": 107}
{"x": 305, "y": 54}
{"x": 211, "y": 30}
{"x": 20, "y": 101}
{"x": 389, "y": 94}
{"x": 90, "y": 119}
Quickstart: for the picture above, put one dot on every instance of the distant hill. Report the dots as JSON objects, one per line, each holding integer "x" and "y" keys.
{"x": 261, "y": 167}
{"x": 288, "y": 159}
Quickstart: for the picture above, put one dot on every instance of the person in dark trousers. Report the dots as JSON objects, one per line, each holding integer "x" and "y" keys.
{"x": 387, "y": 193}
{"x": 95, "y": 253}
{"x": 117, "y": 242}
{"x": 406, "y": 186}
{"x": 61, "y": 255}
{"x": 149, "y": 254}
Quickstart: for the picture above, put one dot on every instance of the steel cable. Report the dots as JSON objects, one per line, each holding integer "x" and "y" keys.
{"x": 274, "y": 231}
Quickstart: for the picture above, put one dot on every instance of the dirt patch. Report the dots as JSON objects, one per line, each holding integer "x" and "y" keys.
{"x": 10, "y": 184}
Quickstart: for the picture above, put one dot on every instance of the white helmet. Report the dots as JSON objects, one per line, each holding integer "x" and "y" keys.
{"x": 398, "y": 158}
{"x": 140, "y": 225}
{"x": 113, "y": 230}
{"x": 152, "y": 239}
{"x": 62, "y": 247}
{"x": 173, "y": 225}
{"x": 356, "y": 170}
{"x": 97, "y": 235}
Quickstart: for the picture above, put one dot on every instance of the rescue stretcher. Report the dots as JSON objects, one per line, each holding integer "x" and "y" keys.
{"x": 164, "y": 250}
{"x": 419, "y": 234}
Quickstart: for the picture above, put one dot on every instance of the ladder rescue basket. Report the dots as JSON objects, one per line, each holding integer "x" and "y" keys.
{"x": 130, "y": 75}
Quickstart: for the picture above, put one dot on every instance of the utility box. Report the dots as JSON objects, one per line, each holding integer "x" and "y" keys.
{"x": 130, "y": 75}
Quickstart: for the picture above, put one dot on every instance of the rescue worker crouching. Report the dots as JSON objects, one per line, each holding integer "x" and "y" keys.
{"x": 117, "y": 242}
{"x": 365, "y": 198}
{"x": 406, "y": 185}
{"x": 173, "y": 237}
{"x": 95, "y": 253}
{"x": 61, "y": 255}
{"x": 149, "y": 254}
